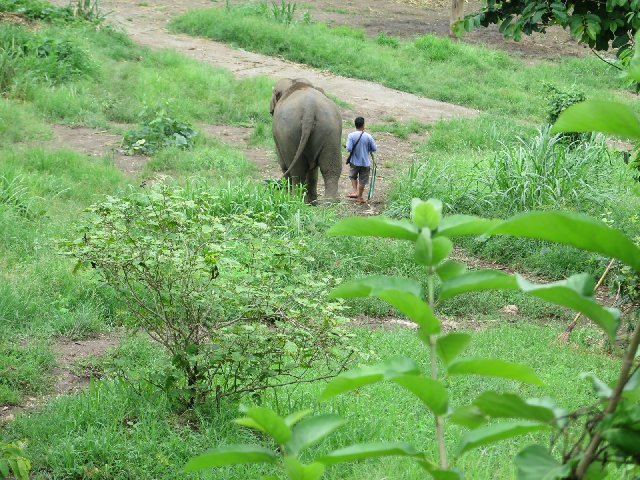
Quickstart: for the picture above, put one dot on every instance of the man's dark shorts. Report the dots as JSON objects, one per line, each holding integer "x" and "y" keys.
{"x": 360, "y": 173}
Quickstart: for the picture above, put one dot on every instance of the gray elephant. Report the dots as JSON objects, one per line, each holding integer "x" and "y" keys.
{"x": 307, "y": 129}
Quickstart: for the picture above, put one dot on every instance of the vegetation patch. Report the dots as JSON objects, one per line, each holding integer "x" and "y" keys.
{"x": 157, "y": 130}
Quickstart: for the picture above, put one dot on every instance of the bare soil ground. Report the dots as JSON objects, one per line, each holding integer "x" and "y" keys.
{"x": 66, "y": 378}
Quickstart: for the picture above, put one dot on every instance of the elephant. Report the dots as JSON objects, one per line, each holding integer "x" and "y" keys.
{"x": 307, "y": 130}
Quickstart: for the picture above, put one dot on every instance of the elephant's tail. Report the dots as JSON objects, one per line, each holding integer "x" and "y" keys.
{"x": 308, "y": 124}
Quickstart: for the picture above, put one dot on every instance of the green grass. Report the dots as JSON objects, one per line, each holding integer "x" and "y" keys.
{"x": 117, "y": 432}
{"x": 429, "y": 66}
{"x": 20, "y": 123}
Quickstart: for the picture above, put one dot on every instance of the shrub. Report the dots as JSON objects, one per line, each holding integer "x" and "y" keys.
{"x": 387, "y": 40}
{"x": 560, "y": 99}
{"x": 158, "y": 130}
{"x": 194, "y": 280}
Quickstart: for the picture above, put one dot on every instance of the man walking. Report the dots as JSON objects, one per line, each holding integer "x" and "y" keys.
{"x": 359, "y": 145}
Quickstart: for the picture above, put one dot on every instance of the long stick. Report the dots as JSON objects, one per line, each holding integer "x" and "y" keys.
{"x": 564, "y": 336}
{"x": 372, "y": 184}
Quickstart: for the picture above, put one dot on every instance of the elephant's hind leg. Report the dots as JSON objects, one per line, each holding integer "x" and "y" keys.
{"x": 312, "y": 186}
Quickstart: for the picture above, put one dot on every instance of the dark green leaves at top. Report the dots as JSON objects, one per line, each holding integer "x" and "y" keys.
{"x": 266, "y": 421}
{"x": 312, "y": 430}
{"x": 426, "y": 214}
{"x": 494, "y": 368}
{"x": 599, "y": 116}
{"x": 573, "y": 229}
{"x": 536, "y": 463}
{"x": 374, "y": 227}
{"x": 448, "y": 347}
{"x": 231, "y": 455}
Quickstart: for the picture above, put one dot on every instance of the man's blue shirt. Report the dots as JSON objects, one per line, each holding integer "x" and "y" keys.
{"x": 360, "y": 156}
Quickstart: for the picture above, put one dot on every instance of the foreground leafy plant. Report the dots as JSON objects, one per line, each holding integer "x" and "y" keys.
{"x": 493, "y": 416}
{"x": 13, "y": 462}
{"x": 293, "y": 434}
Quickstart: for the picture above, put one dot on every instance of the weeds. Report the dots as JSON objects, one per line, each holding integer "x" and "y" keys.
{"x": 546, "y": 172}
{"x": 284, "y": 12}
{"x": 158, "y": 130}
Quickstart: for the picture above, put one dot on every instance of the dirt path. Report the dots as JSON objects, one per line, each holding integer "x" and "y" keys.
{"x": 146, "y": 24}
{"x": 67, "y": 378}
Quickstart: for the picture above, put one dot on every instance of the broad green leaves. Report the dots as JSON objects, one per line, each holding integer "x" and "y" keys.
{"x": 477, "y": 281}
{"x": 402, "y": 293}
{"x": 426, "y": 214}
{"x": 374, "y": 227}
{"x": 508, "y": 405}
{"x": 448, "y": 347}
{"x": 369, "y": 450}
{"x": 231, "y": 455}
{"x": 496, "y": 432}
{"x": 464, "y": 225}
{"x": 430, "y": 392}
{"x": 573, "y": 229}
{"x": 576, "y": 293}
{"x": 535, "y": 463}
{"x": 599, "y": 116}
{"x": 360, "y": 377}
{"x": 311, "y": 430}
{"x": 267, "y": 421}
{"x": 494, "y": 368}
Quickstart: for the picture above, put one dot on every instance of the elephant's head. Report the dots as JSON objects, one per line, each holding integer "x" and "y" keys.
{"x": 287, "y": 85}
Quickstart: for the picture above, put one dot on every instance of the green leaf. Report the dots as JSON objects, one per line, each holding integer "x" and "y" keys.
{"x": 448, "y": 347}
{"x": 360, "y": 377}
{"x": 477, "y": 280}
{"x": 469, "y": 416}
{"x": 450, "y": 269}
{"x": 461, "y": 225}
{"x": 374, "y": 227}
{"x": 430, "y": 392}
{"x": 369, "y": 450}
{"x": 414, "y": 308}
{"x": 437, "y": 473}
{"x": 535, "y": 463}
{"x": 295, "y": 417}
{"x": 312, "y": 430}
{"x": 496, "y": 432}
{"x": 573, "y": 229}
{"x": 424, "y": 248}
{"x": 231, "y": 455}
{"x": 372, "y": 286}
{"x": 575, "y": 293}
{"x": 441, "y": 248}
{"x": 599, "y": 116}
{"x": 267, "y": 421}
{"x": 601, "y": 388}
{"x": 298, "y": 471}
{"x": 494, "y": 368}
{"x": 426, "y": 214}
{"x": 508, "y": 405}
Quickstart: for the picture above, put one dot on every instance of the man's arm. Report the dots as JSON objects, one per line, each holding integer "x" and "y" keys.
{"x": 372, "y": 144}
{"x": 349, "y": 144}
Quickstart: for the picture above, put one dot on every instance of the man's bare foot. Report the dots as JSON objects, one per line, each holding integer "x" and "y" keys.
{"x": 352, "y": 195}
{"x": 360, "y": 200}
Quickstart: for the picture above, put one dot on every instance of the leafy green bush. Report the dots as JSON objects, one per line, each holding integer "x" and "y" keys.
{"x": 158, "y": 130}
{"x": 387, "y": 40}
{"x": 194, "y": 280}
{"x": 560, "y": 99}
